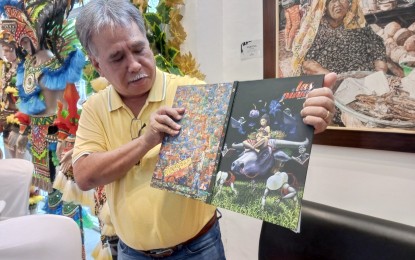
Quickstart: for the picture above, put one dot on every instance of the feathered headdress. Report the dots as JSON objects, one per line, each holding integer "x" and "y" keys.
{"x": 7, "y": 38}
{"x": 42, "y": 21}
{"x": 18, "y": 23}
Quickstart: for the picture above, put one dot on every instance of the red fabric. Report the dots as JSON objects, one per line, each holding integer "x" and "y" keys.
{"x": 70, "y": 122}
{"x": 23, "y": 118}
{"x": 71, "y": 96}
{"x": 60, "y": 120}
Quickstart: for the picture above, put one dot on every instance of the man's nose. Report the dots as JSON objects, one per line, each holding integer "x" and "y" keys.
{"x": 134, "y": 64}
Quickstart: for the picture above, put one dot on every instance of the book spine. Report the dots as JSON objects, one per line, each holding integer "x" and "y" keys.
{"x": 221, "y": 143}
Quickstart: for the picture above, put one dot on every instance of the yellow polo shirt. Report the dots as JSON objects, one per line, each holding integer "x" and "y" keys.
{"x": 144, "y": 217}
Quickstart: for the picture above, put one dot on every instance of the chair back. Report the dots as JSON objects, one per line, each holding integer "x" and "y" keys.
{"x": 43, "y": 237}
{"x": 333, "y": 233}
{"x": 15, "y": 181}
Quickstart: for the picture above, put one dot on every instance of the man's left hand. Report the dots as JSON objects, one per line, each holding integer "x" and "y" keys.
{"x": 319, "y": 106}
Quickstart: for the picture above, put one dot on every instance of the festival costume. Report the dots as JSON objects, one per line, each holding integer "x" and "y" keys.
{"x": 106, "y": 247}
{"x": 33, "y": 19}
{"x": 42, "y": 149}
{"x": 8, "y": 98}
{"x": 144, "y": 218}
{"x": 8, "y": 108}
{"x": 55, "y": 76}
{"x": 8, "y": 92}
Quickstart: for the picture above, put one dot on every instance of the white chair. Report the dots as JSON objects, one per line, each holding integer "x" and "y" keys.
{"x": 43, "y": 237}
{"x": 2, "y": 205}
{"x": 15, "y": 181}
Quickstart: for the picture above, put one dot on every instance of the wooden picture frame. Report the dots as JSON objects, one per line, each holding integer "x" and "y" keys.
{"x": 376, "y": 138}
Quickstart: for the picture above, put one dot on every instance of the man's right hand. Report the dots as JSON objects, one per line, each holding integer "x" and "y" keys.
{"x": 162, "y": 122}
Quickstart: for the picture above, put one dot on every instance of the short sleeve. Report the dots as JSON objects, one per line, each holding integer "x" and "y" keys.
{"x": 90, "y": 136}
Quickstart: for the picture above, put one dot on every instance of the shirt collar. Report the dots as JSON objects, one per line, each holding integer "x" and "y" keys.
{"x": 157, "y": 92}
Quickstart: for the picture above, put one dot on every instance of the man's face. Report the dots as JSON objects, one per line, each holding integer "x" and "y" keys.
{"x": 9, "y": 53}
{"x": 123, "y": 56}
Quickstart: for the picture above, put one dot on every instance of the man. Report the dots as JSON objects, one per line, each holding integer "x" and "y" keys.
{"x": 120, "y": 131}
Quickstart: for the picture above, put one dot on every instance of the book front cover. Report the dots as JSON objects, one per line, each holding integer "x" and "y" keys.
{"x": 188, "y": 161}
{"x": 266, "y": 151}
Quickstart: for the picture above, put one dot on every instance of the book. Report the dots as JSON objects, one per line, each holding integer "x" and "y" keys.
{"x": 242, "y": 146}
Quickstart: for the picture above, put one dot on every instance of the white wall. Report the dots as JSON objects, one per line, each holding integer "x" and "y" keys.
{"x": 372, "y": 182}
{"x": 242, "y": 22}
{"x": 215, "y": 30}
{"x": 203, "y": 21}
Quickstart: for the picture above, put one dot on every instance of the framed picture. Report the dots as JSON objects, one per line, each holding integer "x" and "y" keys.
{"x": 370, "y": 44}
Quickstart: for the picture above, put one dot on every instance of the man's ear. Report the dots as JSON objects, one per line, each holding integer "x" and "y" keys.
{"x": 95, "y": 63}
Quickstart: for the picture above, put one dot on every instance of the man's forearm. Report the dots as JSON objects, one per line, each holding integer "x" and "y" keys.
{"x": 102, "y": 168}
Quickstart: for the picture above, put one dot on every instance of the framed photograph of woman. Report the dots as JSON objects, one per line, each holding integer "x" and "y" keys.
{"x": 370, "y": 44}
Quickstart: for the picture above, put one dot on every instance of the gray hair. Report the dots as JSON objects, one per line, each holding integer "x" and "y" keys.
{"x": 99, "y": 14}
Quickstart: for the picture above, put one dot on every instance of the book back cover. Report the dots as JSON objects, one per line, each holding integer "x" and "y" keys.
{"x": 188, "y": 161}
